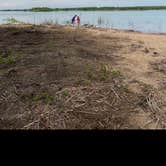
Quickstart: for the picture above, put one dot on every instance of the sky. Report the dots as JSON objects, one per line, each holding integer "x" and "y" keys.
{"x": 24, "y": 4}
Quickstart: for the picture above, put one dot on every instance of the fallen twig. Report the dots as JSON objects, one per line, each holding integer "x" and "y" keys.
{"x": 116, "y": 93}
{"x": 69, "y": 99}
{"x": 30, "y": 124}
{"x": 91, "y": 113}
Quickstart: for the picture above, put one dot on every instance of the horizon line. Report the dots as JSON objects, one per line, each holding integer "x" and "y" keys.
{"x": 86, "y": 7}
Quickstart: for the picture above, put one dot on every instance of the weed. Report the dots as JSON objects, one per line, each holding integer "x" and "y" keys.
{"x": 90, "y": 72}
{"x": 85, "y": 82}
{"x": 8, "y": 60}
{"x": 66, "y": 93}
{"x": 115, "y": 73}
{"x": 104, "y": 76}
{"x": 104, "y": 72}
{"x": 44, "y": 97}
{"x": 13, "y": 20}
{"x": 104, "y": 68}
{"x": 91, "y": 75}
{"x": 12, "y": 58}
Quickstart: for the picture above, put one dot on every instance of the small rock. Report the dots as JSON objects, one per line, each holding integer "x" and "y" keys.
{"x": 146, "y": 50}
{"x": 155, "y": 53}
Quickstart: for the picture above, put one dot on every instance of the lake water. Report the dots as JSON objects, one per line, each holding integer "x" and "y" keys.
{"x": 152, "y": 21}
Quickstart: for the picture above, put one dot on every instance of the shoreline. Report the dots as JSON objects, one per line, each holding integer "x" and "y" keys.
{"x": 86, "y": 27}
{"x": 124, "y": 30}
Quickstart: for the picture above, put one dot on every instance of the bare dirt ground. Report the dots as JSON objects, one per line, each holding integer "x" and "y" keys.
{"x": 56, "y": 77}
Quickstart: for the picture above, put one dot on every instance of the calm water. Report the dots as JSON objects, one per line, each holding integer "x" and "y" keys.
{"x": 145, "y": 21}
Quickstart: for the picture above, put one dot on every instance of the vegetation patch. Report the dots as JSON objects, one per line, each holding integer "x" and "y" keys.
{"x": 103, "y": 73}
{"x": 43, "y": 97}
{"x": 12, "y": 58}
{"x": 13, "y": 20}
{"x": 46, "y": 9}
{"x": 85, "y": 82}
{"x": 66, "y": 93}
{"x": 115, "y": 73}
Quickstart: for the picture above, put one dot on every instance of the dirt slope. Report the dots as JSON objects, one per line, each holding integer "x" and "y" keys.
{"x": 56, "y": 77}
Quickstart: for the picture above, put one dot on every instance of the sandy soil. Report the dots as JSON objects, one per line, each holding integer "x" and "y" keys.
{"x": 56, "y": 77}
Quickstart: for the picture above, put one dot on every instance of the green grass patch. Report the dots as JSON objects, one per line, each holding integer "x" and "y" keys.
{"x": 102, "y": 73}
{"x": 12, "y": 58}
{"x": 43, "y": 97}
{"x": 115, "y": 73}
{"x": 85, "y": 82}
{"x": 66, "y": 93}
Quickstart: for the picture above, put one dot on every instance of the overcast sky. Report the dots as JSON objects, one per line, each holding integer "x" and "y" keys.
{"x": 17, "y": 4}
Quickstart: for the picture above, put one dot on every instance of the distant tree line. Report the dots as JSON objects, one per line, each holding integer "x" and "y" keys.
{"x": 46, "y": 9}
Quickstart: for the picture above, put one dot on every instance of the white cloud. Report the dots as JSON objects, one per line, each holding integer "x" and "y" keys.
{"x": 7, "y": 4}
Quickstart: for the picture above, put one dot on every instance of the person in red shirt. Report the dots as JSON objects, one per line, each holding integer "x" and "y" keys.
{"x": 76, "y": 20}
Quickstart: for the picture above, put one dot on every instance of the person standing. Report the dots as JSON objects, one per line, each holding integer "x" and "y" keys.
{"x": 73, "y": 19}
{"x": 76, "y": 20}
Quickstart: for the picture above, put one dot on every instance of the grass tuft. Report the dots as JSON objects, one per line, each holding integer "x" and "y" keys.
{"x": 12, "y": 58}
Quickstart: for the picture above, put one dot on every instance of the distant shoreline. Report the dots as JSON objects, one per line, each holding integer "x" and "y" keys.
{"x": 45, "y": 9}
